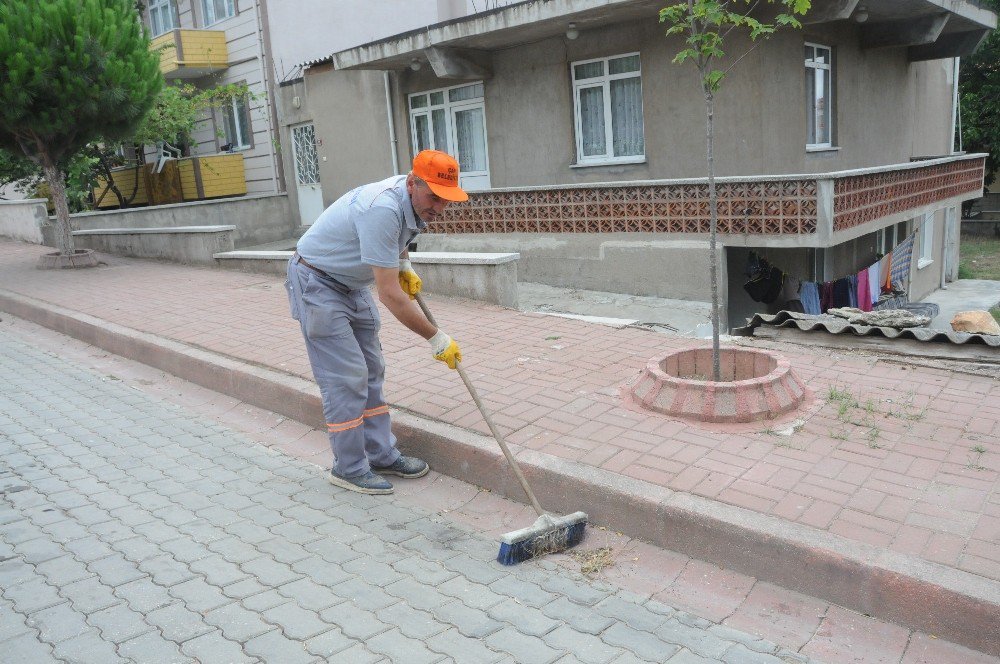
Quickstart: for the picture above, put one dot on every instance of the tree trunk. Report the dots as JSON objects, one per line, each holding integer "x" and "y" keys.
{"x": 57, "y": 187}
{"x": 713, "y": 207}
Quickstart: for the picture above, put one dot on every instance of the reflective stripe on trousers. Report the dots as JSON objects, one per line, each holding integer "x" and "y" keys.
{"x": 341, "y": 335}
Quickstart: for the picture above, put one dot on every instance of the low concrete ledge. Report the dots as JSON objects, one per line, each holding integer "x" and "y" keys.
{"x": 490, "y": 277}
{"x": 183, "y": 244}
{"x": 259, "y": 262}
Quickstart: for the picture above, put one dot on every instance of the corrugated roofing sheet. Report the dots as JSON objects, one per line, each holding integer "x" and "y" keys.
{"x": 838, "y": 325}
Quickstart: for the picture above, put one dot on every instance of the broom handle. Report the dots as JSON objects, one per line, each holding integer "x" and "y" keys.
{"x": 489, "y": 420}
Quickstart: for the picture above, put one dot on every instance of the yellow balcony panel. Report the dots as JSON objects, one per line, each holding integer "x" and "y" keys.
{"x": 215, "y": 176}
{"x": 180, "y": 180}
{"x": 191, "y": 53}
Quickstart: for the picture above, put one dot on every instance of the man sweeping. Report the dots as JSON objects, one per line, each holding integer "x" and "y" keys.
{"x": 358, "y": 241}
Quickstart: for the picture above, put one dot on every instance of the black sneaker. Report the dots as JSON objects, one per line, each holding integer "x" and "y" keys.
{"x": 369, "y": 483}
{"x": 404, "y": 466}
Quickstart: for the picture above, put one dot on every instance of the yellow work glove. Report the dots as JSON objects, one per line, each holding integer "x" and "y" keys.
{"x": 445, "y": 349}
{"x": 408, "y": 279}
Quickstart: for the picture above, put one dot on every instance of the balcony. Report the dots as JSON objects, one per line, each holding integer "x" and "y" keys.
{"x": 191, "y": 53}
{"x": 179, "y": 181}
{"x": 816, "y": 210}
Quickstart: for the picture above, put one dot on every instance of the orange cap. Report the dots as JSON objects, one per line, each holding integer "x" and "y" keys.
{"x": 440, "y": 171}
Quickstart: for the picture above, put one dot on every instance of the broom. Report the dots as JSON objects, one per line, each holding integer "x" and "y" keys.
{"x": 549, "y": 533}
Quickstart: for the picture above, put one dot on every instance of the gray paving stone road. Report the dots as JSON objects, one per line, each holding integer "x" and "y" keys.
{"x": 133, "y": 531}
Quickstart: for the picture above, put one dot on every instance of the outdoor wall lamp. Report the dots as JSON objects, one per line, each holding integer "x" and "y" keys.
{"x": 572, "y": 32}
{"x": 861, "y": 15}
{"x": 415, "y": 64}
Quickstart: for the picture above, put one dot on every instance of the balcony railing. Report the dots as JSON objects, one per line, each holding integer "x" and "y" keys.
{"x": 812, "y": 207}
{"x": 180, "y": 180}
{"x": 191, "y": 53}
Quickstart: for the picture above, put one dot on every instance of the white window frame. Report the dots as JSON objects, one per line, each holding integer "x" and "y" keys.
{"x": 887, "y": 238}
{"x": 926, "y": 241}
{"x": 449, "y": 107}
{"x": 209, "y": 15}
{"x": 604, "y": 82}
{"x": 231, "y": 110}
{"x": 812, "y": 68}
{"x": 156, "y": 10}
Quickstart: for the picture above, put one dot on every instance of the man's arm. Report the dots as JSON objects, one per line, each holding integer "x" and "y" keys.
{"x": 399, "y": 303}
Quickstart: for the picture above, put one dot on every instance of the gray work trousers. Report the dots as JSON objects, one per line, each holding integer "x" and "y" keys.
{"x": 340, "y": 328}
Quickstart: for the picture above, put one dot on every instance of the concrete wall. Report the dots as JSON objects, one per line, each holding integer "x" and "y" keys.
{"x": 887, "y": 109}
{"x": 348, "y": 110}
{"x": 24, "y": 220}
{"x": 637, "y": 263}
{"x": 925, "y": 280}
{"x": 259, "y": 219}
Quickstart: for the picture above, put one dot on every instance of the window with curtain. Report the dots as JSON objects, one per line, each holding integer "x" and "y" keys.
{"x": 236, "y": 124}
{"x": 161, "y": 16}
{"x": 451, "y": 120}
{"x": 819, "y": 97}
{"x": 607, "y": 97}
{"x": 216, "y": 10}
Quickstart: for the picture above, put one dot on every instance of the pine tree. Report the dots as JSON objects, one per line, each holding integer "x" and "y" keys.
{"x": 71, "y": 71}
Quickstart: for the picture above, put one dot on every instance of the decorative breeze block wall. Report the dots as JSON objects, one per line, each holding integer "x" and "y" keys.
{"x": 775, "y": 207}
{"x": 863, "y": 198}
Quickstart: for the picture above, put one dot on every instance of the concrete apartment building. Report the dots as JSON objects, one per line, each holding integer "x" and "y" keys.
{"x": 585, "y": 144}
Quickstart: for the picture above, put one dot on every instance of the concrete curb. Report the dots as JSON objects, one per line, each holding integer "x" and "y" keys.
{"x": 948, "y": 603}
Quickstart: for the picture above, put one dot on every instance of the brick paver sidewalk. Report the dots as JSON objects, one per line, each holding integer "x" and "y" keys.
{"x": 900, "y": 457}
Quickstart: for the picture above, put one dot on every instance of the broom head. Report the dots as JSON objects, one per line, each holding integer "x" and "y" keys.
{"x": 549, "y": 534}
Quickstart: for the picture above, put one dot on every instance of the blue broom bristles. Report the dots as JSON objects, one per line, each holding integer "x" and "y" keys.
{"x": 548, "y": 535}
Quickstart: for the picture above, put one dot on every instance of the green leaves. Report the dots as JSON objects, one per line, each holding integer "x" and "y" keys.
{"x": 72, "y": 71}
{"x": 704, "y": 25}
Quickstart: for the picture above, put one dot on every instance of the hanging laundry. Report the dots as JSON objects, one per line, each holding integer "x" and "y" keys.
{"x": 852, "y": 289}
{"x": 825, "y": 296}
{"x": 809, "y": 296}
{"x": 764, "y": 281}
{"x": 885, "y": 279}
{"x": 864, "y": 292}
{"x": 841, "y": 292}
{"x": 899, "y": 272}
{"x": 873, "y": 284}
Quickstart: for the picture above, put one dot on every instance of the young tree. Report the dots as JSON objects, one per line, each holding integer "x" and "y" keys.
{"x": 979, "y": 92}
{"x": 705, "y": 24}
{"x": 71, "y": 71}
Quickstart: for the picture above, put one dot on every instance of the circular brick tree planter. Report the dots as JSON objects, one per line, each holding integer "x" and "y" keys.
{"x": 79, "y": 258}
{"x": 756, "y": 385}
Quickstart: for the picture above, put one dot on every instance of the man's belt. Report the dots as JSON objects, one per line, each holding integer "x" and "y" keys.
{"x": 336, "y": 285}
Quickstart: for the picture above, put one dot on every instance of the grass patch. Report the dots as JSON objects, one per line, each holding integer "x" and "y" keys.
{"x": 979, "y": 258}
{"x": 995, "y": 312}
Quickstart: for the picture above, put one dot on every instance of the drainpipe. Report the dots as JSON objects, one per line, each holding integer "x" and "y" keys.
{"x": 955, "y": 137}
{"x": 391, "y": 123}
{"x": 265, "y": 80}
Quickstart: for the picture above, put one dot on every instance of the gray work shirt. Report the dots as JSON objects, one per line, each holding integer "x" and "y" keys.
{"x": 368, "y": 226}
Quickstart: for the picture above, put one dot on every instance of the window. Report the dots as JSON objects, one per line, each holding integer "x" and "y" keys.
{"x": 926, "y": 241}
{"x": 887, "y": 238}
{"x": 161, "y": 16}
{"x": 453, "y": 120}
{"x": 236, "y": 122}
{"x": 819, "y": 98}
{"x": 216, "y": 10}
{"x": 607, "y": 101}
